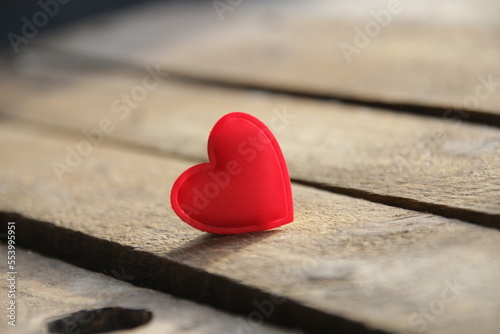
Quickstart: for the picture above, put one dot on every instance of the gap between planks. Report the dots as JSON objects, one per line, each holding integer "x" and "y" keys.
{"x": 197, "y": 285}
{"x": 462, "y": 114}
{"x": 470, "y": 216}
{"x": 465, "y": 115}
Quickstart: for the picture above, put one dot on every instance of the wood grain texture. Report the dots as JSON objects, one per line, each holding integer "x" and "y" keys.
{"x": 342, "y": 263}
{"x": 49, "y": 289}
{"x": 439, "y": 166}
{"x": 432, "y": 55}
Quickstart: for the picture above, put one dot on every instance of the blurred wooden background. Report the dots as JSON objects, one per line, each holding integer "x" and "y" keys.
{"x": 388, "y": 116}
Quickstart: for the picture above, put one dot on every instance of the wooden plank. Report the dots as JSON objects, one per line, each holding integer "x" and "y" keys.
{"x": 49, "y": 289}
{"x": 446, "y": 168}
{"x": 429, "y": 58}
{"x": 343, "y": 262}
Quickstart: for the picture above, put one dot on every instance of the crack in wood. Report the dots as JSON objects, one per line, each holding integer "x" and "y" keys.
{"x": 470, "y": 216}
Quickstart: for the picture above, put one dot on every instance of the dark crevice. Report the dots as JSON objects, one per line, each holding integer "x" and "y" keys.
{"x": 470, "y": 216}
{"x": 167, "y": 275}
{"x": 101, "y": 320}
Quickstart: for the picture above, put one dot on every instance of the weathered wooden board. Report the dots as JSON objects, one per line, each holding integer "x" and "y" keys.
{"x": 344, "y": 261}
{"x": 436, "y": 55}
{"x": 443, "y": 167}
{"x": 49, "y": 289}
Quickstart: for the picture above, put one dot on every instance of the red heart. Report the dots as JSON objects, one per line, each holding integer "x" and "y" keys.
{"x": 244, "y": 188}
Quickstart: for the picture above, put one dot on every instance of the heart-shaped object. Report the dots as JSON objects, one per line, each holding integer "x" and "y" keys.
{"x": 244, "y": 188}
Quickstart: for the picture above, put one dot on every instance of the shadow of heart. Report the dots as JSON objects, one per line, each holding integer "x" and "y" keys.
{"x": 207, "y": 248}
